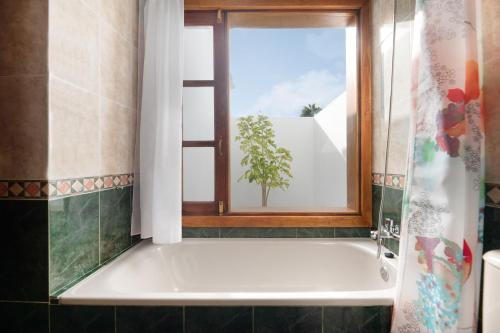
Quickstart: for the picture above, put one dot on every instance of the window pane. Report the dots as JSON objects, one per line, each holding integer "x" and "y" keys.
{"x": 198, "y": 174}
{"x": 289, "y": 119}
{"x": 198, "y": 113}
{"x": 198, "y": 53}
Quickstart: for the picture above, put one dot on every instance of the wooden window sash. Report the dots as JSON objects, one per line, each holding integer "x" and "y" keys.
{"x": 358, "y": 213}
{"x": 219, "y": 83}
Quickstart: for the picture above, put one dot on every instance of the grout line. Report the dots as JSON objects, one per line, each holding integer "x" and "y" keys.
{"x": 99, "y": 225}
{"x": 81, "y": 89}
{"x": 90, "y": 8}
{"x": 27, "y": 75}
{"x": 183, "y": 318}
{"x": 23, "y": 302}
{"x": 49, "y": 307}
{"x": 322, "y": 319}
{"x": 253, "y": 319}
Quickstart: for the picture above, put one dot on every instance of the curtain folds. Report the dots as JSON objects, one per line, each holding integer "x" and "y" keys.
{"x": 440, "y": 259}
{"x": 157, "y": 187}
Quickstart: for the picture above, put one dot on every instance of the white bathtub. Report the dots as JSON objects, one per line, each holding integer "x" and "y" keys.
{"x": 241, "y": 272}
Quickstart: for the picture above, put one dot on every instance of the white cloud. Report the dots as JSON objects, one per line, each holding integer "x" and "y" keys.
{"x": 289, "y": 97}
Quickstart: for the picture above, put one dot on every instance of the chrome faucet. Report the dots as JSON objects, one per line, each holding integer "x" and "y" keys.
{"x": 389, "y": 230}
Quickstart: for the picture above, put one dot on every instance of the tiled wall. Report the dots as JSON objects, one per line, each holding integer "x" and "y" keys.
{"x": 490, "y": 43}
{"x": 86, "y": 231}
{"x": 92, "y": 111}
{"x": 68, "y": 96}
{"x": 196, "y": 319}
{"x": 382, "y": 49}
{"x": 23, "y": 89}
{"x": 92, "y": 87}
{"x": 23, "y": 150}
{"x": 274, "y": 232}
{"x": 490, "y": 50}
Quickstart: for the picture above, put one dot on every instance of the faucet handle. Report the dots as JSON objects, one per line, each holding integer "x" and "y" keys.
{"x": 395, "y": 230}
{"x": 388, "y": 224}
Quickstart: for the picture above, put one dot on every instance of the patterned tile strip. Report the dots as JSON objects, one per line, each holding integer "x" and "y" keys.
{"x": 43, "y": 189}
{"x": 492, "y": 195}
{"x": 394, "y": 181}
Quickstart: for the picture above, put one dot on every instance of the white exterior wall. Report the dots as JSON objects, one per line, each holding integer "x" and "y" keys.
{"x": 317, "y": 145}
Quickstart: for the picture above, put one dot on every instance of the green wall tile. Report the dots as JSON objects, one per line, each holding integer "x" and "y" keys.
{"x": 115, "y": 215}
{"x": 152, "y": 319}
{"x": 258, "y": 232}
{"x": 369, "y": 319}
{"x": 305, "y": 319}
{"x": 84, "y": 319}
{"x": 376, "y": 197}
{"x": 352, "y": 232}
{"x": 315, "y": 232}
{"x": 200, "y": 232}
{"x": 24, "y": 317}
{"x": 74, "y": 238}
{"x": 23, "y": 250}
{"x": 491, "y": 228}
{"x": 218, "y": 319}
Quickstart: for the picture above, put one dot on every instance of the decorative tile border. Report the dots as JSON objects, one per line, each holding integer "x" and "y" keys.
{"x": 24, "y": 189}
{"x": 492, "y": 195}
{"x": 43, "y": 189}
{"x": 392, "y": 180}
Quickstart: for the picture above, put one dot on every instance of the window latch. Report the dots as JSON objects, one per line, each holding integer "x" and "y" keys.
{"x": 219, "y": 16}
{"x": 220, "y": 146}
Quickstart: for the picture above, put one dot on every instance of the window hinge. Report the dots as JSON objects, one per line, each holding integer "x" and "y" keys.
{"x": 219, "y": 16}
{"x": 221, "y": 207}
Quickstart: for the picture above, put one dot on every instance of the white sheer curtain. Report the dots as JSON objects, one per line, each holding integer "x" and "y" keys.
{"x": 157, "y": 188}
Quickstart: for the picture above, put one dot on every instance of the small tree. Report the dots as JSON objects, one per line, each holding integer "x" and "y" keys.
{"x": 268, "y": 165}
{"x": 310, "y": 110}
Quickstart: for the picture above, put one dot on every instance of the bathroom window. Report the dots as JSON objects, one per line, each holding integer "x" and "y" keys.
{"x": 276, "y": 117}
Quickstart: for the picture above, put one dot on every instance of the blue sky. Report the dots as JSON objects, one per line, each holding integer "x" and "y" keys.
{"x": 278, "y": 71}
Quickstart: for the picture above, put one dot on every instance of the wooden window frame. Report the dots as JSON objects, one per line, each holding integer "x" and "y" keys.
{"x": 207, "y": 214}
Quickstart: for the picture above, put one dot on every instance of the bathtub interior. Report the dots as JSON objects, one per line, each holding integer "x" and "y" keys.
{"x": 241, "y": 269}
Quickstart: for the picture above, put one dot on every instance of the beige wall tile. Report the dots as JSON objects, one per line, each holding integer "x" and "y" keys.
{"x": 23, "y": 37}
{"x": 74, "y": 43}
{"x": 491, "y": 91}
{"x": 490, "y": 29}
{"x": 405, "y": 10}
{"x": 381, "y": 86}
{"x": 379, "y": 124}
{"x": 491, "y": 87}
{"x": 23, "y": 124}
{"x": 117, "y": 138}
{"x": 74, "y": 131}
{"x": 95, "y": 5}
{"x": 123, "y": 16}
{"x": 118, "y": 68}
{"x": 401, "y": 110}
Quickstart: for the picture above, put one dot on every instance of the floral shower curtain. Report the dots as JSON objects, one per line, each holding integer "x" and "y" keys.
{"x": 440, "y": 259}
